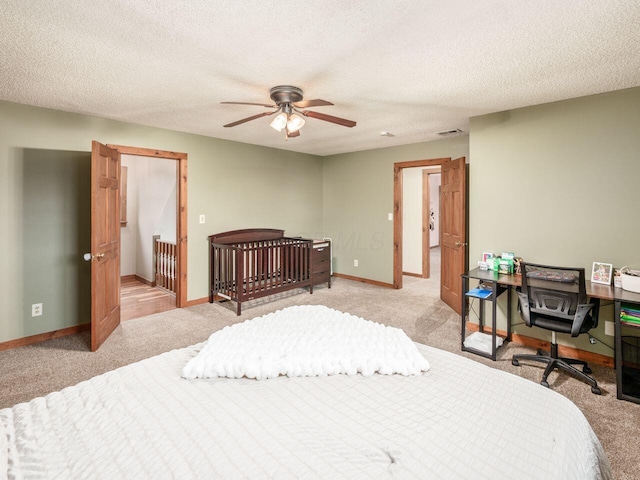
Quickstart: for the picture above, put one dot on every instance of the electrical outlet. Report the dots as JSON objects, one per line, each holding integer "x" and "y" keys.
{"x": 201, "y": 218}
{"x": 36, "y": 310}
{"x": 609, "y": 328}
{"x": 355, "y": 263}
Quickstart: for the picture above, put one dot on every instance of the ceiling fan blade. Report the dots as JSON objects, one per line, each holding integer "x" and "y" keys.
{"x": 247, "y": 103}
{"x": 329, "y": 118}
{"x": 248, "y": 119}
{"x": 293, "y": 134}
{"x": 312, "y": 103}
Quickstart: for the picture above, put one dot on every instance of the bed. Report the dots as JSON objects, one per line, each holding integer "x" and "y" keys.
{"x": 253, "y": 263}
{"x": 458, "y": 420}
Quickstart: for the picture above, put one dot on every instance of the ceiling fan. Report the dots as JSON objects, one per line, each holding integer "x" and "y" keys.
{"x": 288, "y": 103}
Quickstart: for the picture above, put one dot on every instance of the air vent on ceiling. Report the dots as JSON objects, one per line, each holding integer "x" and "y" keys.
{"x": 449, "y": 133}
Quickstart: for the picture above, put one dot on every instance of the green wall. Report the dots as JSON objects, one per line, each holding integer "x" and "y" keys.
{"x": 358, "y": 196}
{"x": 558, "y": 184}
{"x": 56, "y": 232}
{"x": 234, "y": 185}
{"x": 553, "y": 183}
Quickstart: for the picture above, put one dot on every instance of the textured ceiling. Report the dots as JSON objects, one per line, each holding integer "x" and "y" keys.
{"x": 412, "y": 68}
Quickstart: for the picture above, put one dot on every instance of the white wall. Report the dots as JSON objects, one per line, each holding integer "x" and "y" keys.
{"x": 151, "y": 210}
{"x": 412, "y": 220}
{"x": 156, "y": 182}
{"x": 435, "y": 180}
{"x": 412, "y": 209}
{"x": 129, "y": 232}
{"x": 166, "y": 226}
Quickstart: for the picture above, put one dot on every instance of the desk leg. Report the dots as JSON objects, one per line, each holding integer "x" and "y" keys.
{"x": 463, "y": 310}
{"x": 618, "y": 350}
{"x": 508, "y": 314}
{"x": 494, "y": 333}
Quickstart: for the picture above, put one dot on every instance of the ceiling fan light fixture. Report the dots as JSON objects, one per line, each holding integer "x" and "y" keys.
{"x": 279, "y": 122}
{"x": 295, "y": 123}
{"x": 290, "y": 110}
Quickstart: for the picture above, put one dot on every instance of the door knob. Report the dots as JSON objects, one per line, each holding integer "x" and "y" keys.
{"x": 459, "y": 244}
{"x": 87, "y": 256}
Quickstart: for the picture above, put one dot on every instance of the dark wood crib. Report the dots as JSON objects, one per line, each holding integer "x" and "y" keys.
{"x": 253, "y": 263}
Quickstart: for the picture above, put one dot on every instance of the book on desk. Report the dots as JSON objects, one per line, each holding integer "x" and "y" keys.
{"x": 479, "y": 293}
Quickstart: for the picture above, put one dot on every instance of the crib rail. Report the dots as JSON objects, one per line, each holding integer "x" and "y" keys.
{"x": 165, "y": 264}
{"x": 253, "y": 269}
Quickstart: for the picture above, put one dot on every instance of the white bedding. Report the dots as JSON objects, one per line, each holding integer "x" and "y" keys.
{"x": 306, "y": 341}
{"x": 459, "y": 420}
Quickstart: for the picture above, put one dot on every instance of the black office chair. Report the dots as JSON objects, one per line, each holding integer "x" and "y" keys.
{"x": 555, "y": 298}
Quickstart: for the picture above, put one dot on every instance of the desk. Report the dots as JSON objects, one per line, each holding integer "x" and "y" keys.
{"x": 501, "y": 283}
{"x": 594, "y": 290}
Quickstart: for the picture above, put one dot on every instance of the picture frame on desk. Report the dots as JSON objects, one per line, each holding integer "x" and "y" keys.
{"x": 602, "y": 273}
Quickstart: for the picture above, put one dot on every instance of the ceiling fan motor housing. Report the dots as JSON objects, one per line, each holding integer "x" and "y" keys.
{"x": 285, "y": 94}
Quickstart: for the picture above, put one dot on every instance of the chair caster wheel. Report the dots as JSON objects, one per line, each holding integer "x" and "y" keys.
{"x": 544, "y": 383}
{"x": 515, "y": 362}
{"x": 586, "y": 369}
{"x": 596, "y": 390}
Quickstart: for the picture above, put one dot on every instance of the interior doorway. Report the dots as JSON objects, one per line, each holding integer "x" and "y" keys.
{"x": 105, "y": 234}
{"x": 153, "y": 233}
{"x": 453, "y": 225}
{"x": 421, "y": 222}
{"x": 148, "y": 225}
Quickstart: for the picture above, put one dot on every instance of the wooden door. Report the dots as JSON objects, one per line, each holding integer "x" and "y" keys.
{"x": 453, "y": 231}
{"x": 105, "y": 243}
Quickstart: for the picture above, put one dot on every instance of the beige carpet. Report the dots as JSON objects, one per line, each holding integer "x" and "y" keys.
{"x": 32, "y": 371}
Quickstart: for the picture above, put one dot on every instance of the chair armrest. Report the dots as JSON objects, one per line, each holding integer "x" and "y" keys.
{"x": 525, "y": 309}
{"x": 581, "y": 314}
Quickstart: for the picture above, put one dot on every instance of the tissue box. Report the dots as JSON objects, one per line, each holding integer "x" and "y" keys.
{"x": 631, "y": 283}
{"x": 505, "y": 265}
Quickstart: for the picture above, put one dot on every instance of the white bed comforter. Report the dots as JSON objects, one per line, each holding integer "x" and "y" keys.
{"x": 306, "y": 341}
{"x": 459, "y": 420}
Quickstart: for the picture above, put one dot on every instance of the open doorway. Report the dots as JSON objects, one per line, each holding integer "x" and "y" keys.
{"x": 147, "y": 236}
{"x": 153, "y": 231}
{"x": 453, "y": 226}
{"x": 105, "y": 234}
{"x": 421, "y": 222}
